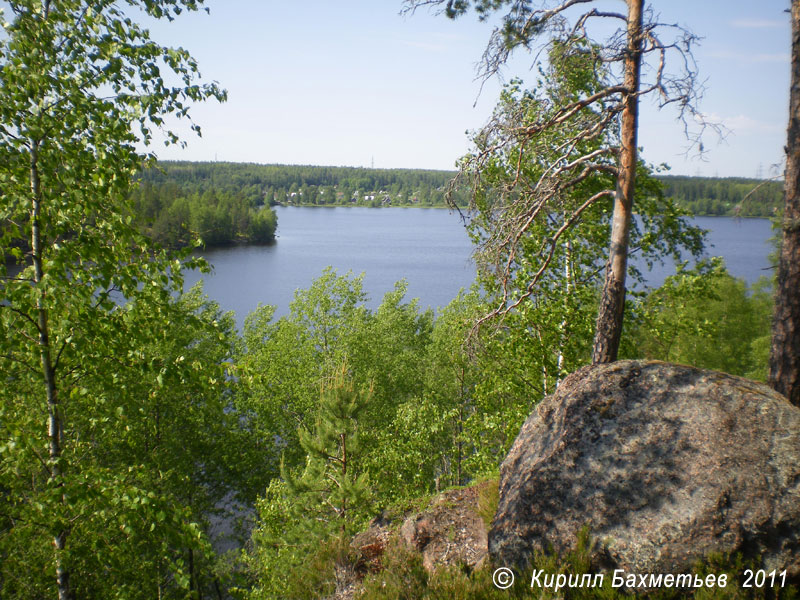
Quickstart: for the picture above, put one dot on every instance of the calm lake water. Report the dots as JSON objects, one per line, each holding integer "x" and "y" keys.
{"x": 427, "y": 247}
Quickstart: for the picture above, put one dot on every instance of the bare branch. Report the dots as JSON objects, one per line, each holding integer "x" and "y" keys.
{"x": 545, "y": 151}
{"x": 737, "y": 209}
{"x": 505, "y": 308}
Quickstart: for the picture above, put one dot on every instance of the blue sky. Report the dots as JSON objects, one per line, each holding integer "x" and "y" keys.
{"x": 352, "y": 82}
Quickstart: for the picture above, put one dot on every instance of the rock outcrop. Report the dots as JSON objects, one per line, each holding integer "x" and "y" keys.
{"x": 450, "y": 531}
{"x": 664, "y": 463}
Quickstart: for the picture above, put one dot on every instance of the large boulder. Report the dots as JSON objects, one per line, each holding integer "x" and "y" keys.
{"x": 664, "y": 463}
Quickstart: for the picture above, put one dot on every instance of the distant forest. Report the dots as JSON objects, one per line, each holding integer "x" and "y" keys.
{"x": 731, "y": 196}
{"x": 227, "y": 203}
{"x": 308, "y": 185}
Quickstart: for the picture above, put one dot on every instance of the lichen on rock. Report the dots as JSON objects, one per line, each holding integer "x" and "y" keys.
{"x": 664, "y": 463}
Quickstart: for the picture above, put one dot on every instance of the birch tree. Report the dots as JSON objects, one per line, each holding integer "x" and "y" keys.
{"x": 553, "y": 302}
{"x": 82, "y": 85}
{"x": 605, "y": 150}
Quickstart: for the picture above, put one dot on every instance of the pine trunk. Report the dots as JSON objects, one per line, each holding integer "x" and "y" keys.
{"x": 612, "y": 302}
{"x": 784, "y": 363}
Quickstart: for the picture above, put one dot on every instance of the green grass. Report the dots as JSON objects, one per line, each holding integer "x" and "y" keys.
{"x": 488, "y": 499}
{"x": 404, "y": 578}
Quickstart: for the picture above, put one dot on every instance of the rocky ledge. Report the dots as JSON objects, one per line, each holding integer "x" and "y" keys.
{"x": 664, "y": 463}
{"x": 450, "y": 531}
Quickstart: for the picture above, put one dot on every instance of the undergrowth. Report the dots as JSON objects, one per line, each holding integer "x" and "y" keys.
{"x": 404, "y": 578}
{"x": 331, "y": 570}
{"x": 488, "y": 499}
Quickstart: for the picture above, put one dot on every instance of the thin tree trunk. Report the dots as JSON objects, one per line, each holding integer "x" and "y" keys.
{"x": 54, "y": 424}
{"x": 784, "y": 362}
{"x": 612, "y": 303}
{"x": 564, "y": 322}
{"x": 460, "y": 444}
{"x": 343, "y": 514}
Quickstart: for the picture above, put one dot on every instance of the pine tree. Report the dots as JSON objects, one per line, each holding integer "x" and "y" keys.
{"x": 784, "y": 361}
{"x": 332, "y": 491}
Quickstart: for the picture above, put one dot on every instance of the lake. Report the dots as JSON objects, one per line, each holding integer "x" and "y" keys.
{"x": 427, "y": 247}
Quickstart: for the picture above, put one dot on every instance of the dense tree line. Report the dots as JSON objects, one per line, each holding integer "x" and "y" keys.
{"x": 177, "y": 203}
{"x": 730, "y": 196}
{"x": 314, "y": 185}
{"x": 176, "y": 215}
{"x": 309, "y": 185}
{"x": 224, "y": 203}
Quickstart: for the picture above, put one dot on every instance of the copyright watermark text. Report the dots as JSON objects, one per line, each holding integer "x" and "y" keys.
{"x": 503, "y": 578}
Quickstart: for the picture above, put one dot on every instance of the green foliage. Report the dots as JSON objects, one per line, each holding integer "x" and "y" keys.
{"x": 282, "y": 365}
{"x": 299, "y": 185}
{"x": 411, "y": 432}
{"x": 306, "y": 518}
{"x": 427, "y": 445}
{"x": 309, "y": 569}
{"x": 115, "y": 432}
{"x": 541, "y": 241}
{"x": 175, "y": 219}
{"x": 281, "y": 562}
{"x": 271, "y": 561}
{"x": 151, "y": 450}
{"x": 707, "y": 318}
{"x": 732, "y": 196}
{"x": 333, "y": 490}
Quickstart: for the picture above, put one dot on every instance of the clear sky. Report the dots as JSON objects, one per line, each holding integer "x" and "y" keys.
{"x": 354, "y": 82}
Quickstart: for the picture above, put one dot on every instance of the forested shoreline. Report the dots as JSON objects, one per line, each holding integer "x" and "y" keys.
{"x": 226, "y": 203}
{"x": 181, "y": 204}
{"x": 728, "y": 196}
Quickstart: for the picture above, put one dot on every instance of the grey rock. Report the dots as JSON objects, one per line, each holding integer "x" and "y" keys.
{"x": 664, "y": 463}
{"x": 449, "y": 531}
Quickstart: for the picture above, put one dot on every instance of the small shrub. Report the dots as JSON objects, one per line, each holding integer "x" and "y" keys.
{"x": 403, "y": 577}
